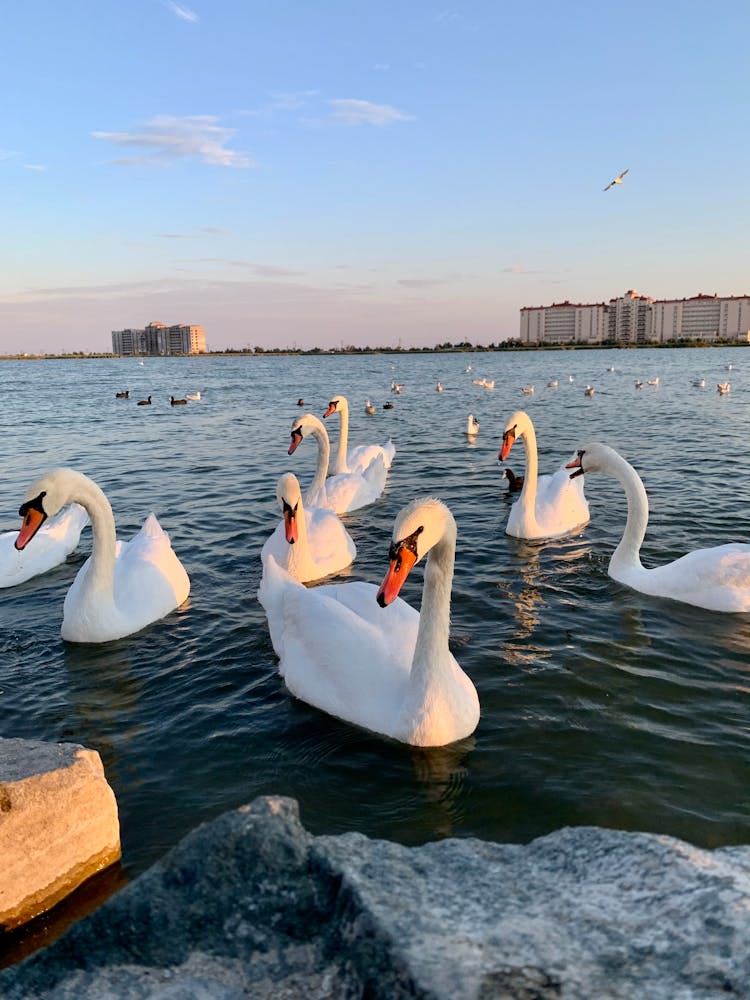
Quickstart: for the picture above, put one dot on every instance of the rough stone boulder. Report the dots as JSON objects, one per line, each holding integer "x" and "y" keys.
{"x": 58, "y": 825}
{"x": 250, "y": 905}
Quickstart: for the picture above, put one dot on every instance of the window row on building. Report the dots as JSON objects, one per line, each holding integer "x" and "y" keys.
{"x": 158, "y": 338}
{"x": 636, "y": 319}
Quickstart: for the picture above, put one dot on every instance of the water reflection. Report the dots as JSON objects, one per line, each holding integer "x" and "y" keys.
{"x": 441, "y": 773}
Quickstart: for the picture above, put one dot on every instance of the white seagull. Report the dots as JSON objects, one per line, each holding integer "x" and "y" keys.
{"x": 617, "y": 180}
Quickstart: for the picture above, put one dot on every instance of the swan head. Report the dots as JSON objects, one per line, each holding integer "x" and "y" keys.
{"x": 338, "y": 404}
{"x": 419, "y": 526}
{"x": 301, "y": 428}
{"x": 289, "y": 496}
{"x": 44, "y": 498}
{"x": 515, "y": 427}
{"x": 595, "y": 457}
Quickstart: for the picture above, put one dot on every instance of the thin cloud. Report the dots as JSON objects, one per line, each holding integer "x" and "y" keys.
{"x": 518, "y": 269}
{"x": 34, "y": 166}
{"x": 427, "y": 282}
{"x": 200, "y": 231}
{"x": 291, "y": 100}
{"x": 447, "y": 16}
{"x": 170, "y": 138}
{"x": 381, "y": 67}
{"x": 183, "y": 12}
{"x": 351, "y": 111}
{"x": 266, "y": 270}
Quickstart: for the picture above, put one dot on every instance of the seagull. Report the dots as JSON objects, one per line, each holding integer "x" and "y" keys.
{"x": 617, "y": 180}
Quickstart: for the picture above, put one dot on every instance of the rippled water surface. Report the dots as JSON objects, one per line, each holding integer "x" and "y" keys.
{"x": 599, "y": 705}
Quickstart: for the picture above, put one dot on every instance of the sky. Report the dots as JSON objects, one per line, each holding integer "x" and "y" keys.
{"x": 371, "y": 173}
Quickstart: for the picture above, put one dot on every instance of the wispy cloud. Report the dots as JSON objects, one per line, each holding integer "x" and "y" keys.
{"x": 351, "y": 111}
{"x": 446, "y": 16}
{"x": 34, "y": 166}
{"x": 428, "y": 282}
{"x": 266, "y": 270}
{"x": 170, "y": 138}
{"x": 291, "y": 100}
{"x": 183, "y": 12}
{"x": 381, "y": 67}
{"x": 518, "y": 269}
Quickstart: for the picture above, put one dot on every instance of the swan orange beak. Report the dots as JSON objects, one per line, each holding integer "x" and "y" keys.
{"x": 397, "y": 572}
{"x": 509, "y": 436}
{"x": 33, "y": 519}
{"x": 331, "y": 409}
{"x": 576, "y": 464}
{"x": 296, "y": 438}
{"x": 290, "y": 523}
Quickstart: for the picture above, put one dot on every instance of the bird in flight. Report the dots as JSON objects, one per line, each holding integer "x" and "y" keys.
{"x": 617, "y": 180}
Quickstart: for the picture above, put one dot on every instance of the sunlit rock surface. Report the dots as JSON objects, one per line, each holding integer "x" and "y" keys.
{"x": 58, "y": 825}
{"x": 252, "y": 905}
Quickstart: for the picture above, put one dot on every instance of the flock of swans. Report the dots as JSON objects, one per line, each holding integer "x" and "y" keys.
{"x": 355, "y": 650}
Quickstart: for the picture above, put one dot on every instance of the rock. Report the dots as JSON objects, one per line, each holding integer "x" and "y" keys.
{"x": 58, "y": 824}
{"x": 252, "y": 905}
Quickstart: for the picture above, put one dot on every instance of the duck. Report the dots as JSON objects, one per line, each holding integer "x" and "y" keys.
{"x": 342, "y": 492}
{"x": 553, "y": 383}
{"x": 369, "y": 408}
{"x": 55, "y": 540}
{"x": 717, "y": 578}
{"x": 192, "y": 395}
{"x": 698, "y": 383}
{"x": 589, "y": 390}
{"x": 177, "y": 402}
{"x": 144, "y": 402}
{"x": 515, "y": 483}
{"x": 362, "y": 654}
{"x": 527, "y": 389}
{"x": 547, "y": 507}
{"x": 388, "y": 405}
{"x": 472, "y": 426}
{"x": 358, "y": 458}
{"x": 723, "y": 387}
{"x": 123, "y": 395}
{"x": 308, "y": 544}
{"x": 638, "y": 383}
{"x": 300, "y": 401}
{"x": 123, "y": 586}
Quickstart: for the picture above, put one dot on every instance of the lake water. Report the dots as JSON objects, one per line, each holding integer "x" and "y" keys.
{"x": 599, "y": 705}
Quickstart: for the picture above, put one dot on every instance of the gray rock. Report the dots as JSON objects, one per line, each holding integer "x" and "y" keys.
{"x": 252, "y": 905}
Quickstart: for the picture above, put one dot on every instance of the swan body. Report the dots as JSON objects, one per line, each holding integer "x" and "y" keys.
{"x": 439, "y": 387}
{"x": 369, "y": 408}
{"x": 56, "y": 539}
{"x": 308, "y": 544}
{"x": 192, "y": 395}
{"x": 589, "y": 390}
{"x": 653, "y": 381}
{"x": 343, "y": 492}
{"x": 723, "y": 387}
{"x": 386, "y": 668}
{"x": 716, "y": 578}
{"x": 472, "y": 426}
{"x": 548, "y": 507}
{"x": 359, "y": 458}
{"x": 123, "y": 586}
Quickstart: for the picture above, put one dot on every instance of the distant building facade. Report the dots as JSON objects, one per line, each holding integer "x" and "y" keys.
{"x": 633, "y": 318}
{"x": 158, "y": 338}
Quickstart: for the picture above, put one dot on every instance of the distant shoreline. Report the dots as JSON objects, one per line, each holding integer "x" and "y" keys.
{"x": 355, "y": 351}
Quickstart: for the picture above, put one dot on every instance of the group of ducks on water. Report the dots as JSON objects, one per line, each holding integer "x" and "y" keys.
{"x": 125, "y": 394}
{"x": 354, "y": 650}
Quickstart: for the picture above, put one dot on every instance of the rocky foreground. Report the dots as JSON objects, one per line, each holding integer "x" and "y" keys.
{"x": 251, "y": 905}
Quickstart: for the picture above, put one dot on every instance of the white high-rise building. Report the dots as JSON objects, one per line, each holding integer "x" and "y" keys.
{"x": 158, "y": 338}
{"x": 563, "y": 323}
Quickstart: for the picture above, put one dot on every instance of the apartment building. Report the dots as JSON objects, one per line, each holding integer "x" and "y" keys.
{"x": 633, "y": 318}
{"x": 158, "y": 338}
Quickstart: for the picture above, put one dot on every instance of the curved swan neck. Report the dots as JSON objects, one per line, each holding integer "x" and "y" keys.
{"x": 318, "y": 431}
{"x": 84, "y": 491}
{"x": 297, "y": 556}
{"x": 340, "y": 462}
{"x": 431, "y": 652}
{"x": 627, "y": 553}
{"x": 527, "y": 496}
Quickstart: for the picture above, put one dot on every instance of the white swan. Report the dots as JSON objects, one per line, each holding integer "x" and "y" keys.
{"x": 123, "y": 586}
{"x": 54, "y": 543}
{"x": 341, "y": 493}
{"x": 717, "y": 578}
{"x": 192, "y": 395}
{"x": 355, "y": 459}
{"x": 549, "y": 506}
{"x": 472, "y": 426}
{"x": 308, "y": 544}
{"x": 386, "y": 668}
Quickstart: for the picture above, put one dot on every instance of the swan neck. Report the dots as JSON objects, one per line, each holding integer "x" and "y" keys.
{"x": 340, "y": 464}
{"x": 431, "y": 653}
{"x": 100, "y": 575}
{"x": 627, "y": 553}
{"x": 527, "y": 498}
{"x": 321, "y": 470}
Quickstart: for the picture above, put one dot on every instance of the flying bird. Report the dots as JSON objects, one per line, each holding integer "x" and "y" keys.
{"x": 617, "y": 180}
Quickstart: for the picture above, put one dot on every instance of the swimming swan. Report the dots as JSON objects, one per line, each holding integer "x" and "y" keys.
{"x": 55, "y": 541}
{"x": 123, "y": 586}
{"x": 549, "y": 506}
{"x": 717, "y": 578}
{"x": 308, "y": 544}
{"x": 344, "y": 492}
{"x": 359, "y": 458}
{"x": 388, "y": 668}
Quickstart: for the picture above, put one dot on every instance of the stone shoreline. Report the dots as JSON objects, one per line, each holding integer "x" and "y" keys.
{"x": 252, "y": 905}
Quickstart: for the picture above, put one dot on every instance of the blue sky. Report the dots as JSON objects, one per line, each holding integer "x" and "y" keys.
{"x": 363, "y": 172}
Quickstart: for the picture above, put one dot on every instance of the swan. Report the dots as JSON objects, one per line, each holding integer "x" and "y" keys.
{"x": 55, "y": 541}
{"x": 717, "y": 578}
{"x": 553, "y": 383}
{"x": 359, "y": 458}
{"x": 386, "y": 668}
{"x": 192, "y": 395}
{"x": 123, "y": 586}
{"x": 439, "y": 387}
{"x": 472, "y": 426}
{"x": 653, "y": 381}
{"x": 369, "y": 408}
{"x": 308, "y": 544}
{"x": 699, "y": 383}
{"x": 589, "y": 390}
{"x": 527, "y": 389}
{"x": 723, "y": 387}
{"x": 343, "y": 492}
{"x": 547, "y": 506}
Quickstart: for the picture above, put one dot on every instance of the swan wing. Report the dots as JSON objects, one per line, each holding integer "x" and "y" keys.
{"x": 330, "y": 546}
{"x": 560, "y": 503}
{"x": 716, "y": 578}
{"x": 360, "y": 457}
{"x": 354, "y": 490}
